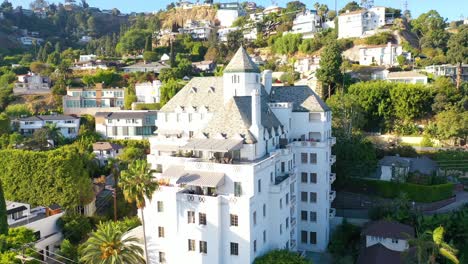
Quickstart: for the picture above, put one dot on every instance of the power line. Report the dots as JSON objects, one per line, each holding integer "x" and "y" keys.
{"x": 35, "y": 250}
{"x": 56, "y": 255}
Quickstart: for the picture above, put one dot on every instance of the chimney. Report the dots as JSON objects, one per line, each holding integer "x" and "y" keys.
{"x": 256, "y": 113}
{"x": 267, "y": 80}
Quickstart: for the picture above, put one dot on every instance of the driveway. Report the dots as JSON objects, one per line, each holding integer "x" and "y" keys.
{"x": 461, "y": 200}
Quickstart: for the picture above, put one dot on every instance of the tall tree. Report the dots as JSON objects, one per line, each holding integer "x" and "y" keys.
{"x": 348, "y": 115}
{"x": 108, "y": 245}
{"x": 138, "y": 185}
{"x": 430, "y": 28}
{"x": 457, "y": 52}
{"x": 3, "y": 215}
{"x": 329, "y": 72}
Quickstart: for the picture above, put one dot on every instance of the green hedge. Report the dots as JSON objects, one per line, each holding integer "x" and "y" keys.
{"x": 154, "y": 106}
{"x": 415, "y": 192}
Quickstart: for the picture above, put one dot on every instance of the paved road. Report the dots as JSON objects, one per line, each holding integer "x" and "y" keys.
{"x": 461, "y": 200}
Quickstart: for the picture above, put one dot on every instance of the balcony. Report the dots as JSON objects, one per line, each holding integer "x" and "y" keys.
{"x": 332, "y": 196}
{"x": 293, "y": 243}
{"x": 332, "y": 141}
{"x": 332, "y": 159}
{"x": 293, "y": 199}
{"x": 332, "y": 213}
{"x": 332, "y": 177}
{"x": 293, "y": 221}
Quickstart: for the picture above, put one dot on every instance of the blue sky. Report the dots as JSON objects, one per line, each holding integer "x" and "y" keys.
{"x": 451, "y": 9}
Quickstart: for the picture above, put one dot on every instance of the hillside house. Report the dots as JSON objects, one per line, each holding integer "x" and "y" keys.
{"x": 126, "y": 124}
{"x": 306, "y": 23}
{"x": 381, "y": 55}
{"x": 385, "y": 242}
{"x": 359, "y": 23}
{"x": 155, "y": 67}
{"x": 80, "y": 101}
{"x": 103, "y": 151}
{"x": 32, "y": 83}
{"x": 148, "y": 92}
{"x": 68, "y": 125}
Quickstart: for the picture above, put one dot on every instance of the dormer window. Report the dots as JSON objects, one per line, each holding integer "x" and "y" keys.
{"x": 211, "y": 90}
{"x": 193, "y": 90}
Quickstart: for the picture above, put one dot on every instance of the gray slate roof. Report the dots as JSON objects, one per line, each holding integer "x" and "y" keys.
{"x": 379, "y": 254}
{"x": 235, "y": 118}
{"x": 204, "y": 95}
{"x": 241, "y": 62}
{"x": 48, "y": 118}
{"x": 304, "y": 99}
{"x": 395, "y": 160}
{"x": 405, "y": 74}
{"x": 388, "y": 229}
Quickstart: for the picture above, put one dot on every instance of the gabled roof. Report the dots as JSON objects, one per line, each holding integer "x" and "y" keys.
{"x": 106, "y": 146}
{"x": 205, "y": 95}
{"x": 395, "y": 161}
{"x": 241, "y": 62}
{"x": 235, "y": 118}
{"x": 388, "y": 229}
{"x": 405, "y": 74}
{"x": 303, "y": 98}
{"x": 379, "y": 254}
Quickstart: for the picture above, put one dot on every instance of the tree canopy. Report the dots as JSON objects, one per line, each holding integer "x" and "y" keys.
{"x": 281, "y": 256}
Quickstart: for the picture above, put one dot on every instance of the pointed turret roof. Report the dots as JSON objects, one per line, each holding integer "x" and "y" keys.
{"x": 241, "y": 62}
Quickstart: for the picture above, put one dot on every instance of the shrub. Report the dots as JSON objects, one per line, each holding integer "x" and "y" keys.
{"x": 426, "y": 142}
{"x": 154, "y": 106}
{"x": 280, "y": 257}
{"x": 415, "y": 192}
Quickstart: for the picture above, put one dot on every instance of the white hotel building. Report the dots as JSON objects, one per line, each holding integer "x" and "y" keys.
{"x": 244, "y": 168}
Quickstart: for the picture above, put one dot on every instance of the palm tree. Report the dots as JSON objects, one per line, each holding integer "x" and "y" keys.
{"x": 442, "y": 248}
{"x": 430, "y": 244}
{"x": 53, "y": 133}
{"x": 138, "y": 184}
{"x": 108, "y": 245}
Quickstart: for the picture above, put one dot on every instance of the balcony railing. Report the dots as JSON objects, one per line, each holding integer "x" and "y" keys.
{"x": 293, "y": 243}
{"x": 332, "y": 177}
{"x": 293, "y": 221}
{"x": 332, "y": 159}
{"x": 332, "y": 196}
{"x": 332, "y": 213}
{"x": 293, "y": 199}
{"x": 332, "y": 141}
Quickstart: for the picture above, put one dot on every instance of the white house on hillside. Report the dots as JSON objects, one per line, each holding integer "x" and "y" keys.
{"x": 32, "y": 84}
{"x": 385, "y": 242}
{"x": 306, "y": 23}
{"x": 385, "y": 55}
{"x": 355, "y": 24}
{"x": 148, "y": 92}
{"x": 126, "y": 124}
{"x": 44, "y": 225}
{"x": 89, "y": 57}
{"x": 68, "y": 125}
{"x": 103, "y": 151}
{"x": 244, "y": 168}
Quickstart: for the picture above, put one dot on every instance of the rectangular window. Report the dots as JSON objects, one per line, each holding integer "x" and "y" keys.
{"x": 255, "y": 246}
{"x": 304, "y": 215}
{"x": 264, "y": 210}
{"x": 234, "y": 220}
{"x": 162, "y": 257}
{"x": 191, "y": 217}
{"x": 281, "y": 203}
{"x": 304, "y": 237}
{"x": 237, "y": 189}
{"x": 160, "y": 231}
{"x": 304, "y": 196}
{"x": 259, "y": 185}
{"x": 287, "y": 223}
{"x": 313, "y": 197}
{"x": 264, "y": 236}
{"x": 313, "y": 178}
{"x": 203, "y": 247}
{"x": 234, "y": 249}
{"x": 313, "y": 238}
{"x": 281, "y": 229}
{"x": 287, "y": 198}
{"x": 202, "y": 219}
{"x": 304, "y": 177}
{"x": 313, "y": 158}
{"x": 304, "y": 158}
{"x": 313, "y": 216}
{"x": 160, "y": 207}
{"x": 282, "y": 166}
{"x": 255, "y": 218}
{"x": 191, "y": 245}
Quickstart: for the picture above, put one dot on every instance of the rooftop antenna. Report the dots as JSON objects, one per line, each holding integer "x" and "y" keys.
{"x": 405, "y": 5}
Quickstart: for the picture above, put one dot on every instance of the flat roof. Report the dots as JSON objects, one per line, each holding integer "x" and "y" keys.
{"x": 194, "y": 178}
{"x": 217, "y": 145}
